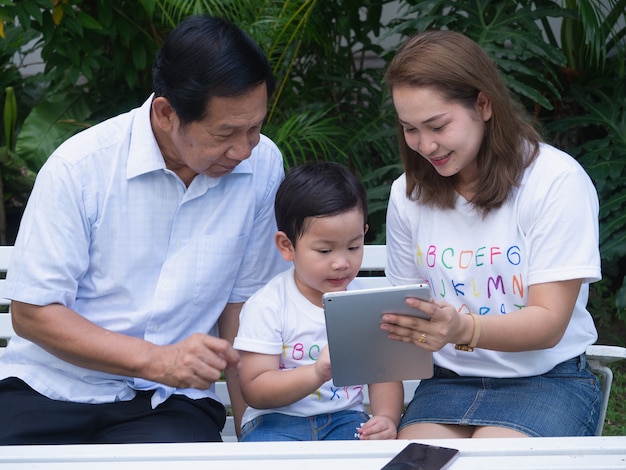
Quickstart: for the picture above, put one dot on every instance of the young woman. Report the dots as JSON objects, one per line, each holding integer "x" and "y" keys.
{"x": 504, "y": 227}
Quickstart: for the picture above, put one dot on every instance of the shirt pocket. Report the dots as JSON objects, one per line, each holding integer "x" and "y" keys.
{"x": 217, "y": 266}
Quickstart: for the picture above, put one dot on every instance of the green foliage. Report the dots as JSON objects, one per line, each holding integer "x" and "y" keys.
{"x": 14, "y": 47}
{"x": 102, "y": 49}
{"x": 508, "y": 31}
{"x": 589, "y": 121}
{"x": 109, "y": 45}
{"x": 615, "y": 423}
{"x": 591, "y": 32}
{"x": 17, "y": 179}
{"x": 602, "y": 105}
{"x": 51, "y": 122}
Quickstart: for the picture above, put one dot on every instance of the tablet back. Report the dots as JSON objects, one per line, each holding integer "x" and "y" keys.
{"x": 360, "y": 352}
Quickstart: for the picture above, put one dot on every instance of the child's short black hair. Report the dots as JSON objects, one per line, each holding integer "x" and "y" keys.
{"x": 316, "y": 190}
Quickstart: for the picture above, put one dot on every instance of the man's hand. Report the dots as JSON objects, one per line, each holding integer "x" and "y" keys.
{"x": 195, "y": 362}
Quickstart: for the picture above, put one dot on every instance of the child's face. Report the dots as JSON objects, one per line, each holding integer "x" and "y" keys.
{"x": 328, "y": 255}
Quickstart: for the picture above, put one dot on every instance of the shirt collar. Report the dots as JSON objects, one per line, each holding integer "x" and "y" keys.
{"x": 144, "y": 155}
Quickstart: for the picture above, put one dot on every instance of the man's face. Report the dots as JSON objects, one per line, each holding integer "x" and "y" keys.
{"x": 218, "y": 143}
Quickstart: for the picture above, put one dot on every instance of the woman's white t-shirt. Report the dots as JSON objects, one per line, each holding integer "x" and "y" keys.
{"x": 546, "y": 231}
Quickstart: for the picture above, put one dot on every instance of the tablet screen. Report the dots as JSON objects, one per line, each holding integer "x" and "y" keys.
{"x": 360, "y": 352}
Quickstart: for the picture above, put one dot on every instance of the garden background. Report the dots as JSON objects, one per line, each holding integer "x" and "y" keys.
{"x": 563, "y": 59}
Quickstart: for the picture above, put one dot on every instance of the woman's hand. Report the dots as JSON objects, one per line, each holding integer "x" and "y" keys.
{"x": 539, "y": 325}
{"x": 445, "y": 325}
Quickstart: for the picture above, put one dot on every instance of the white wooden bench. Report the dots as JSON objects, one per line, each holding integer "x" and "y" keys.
{"x": 372, "y": 275}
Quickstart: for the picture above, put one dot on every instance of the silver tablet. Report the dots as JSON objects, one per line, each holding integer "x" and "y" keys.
{"x": 360, "y": 352}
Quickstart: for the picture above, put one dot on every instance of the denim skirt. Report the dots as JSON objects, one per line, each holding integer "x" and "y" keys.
{"x": 562, "y": 402}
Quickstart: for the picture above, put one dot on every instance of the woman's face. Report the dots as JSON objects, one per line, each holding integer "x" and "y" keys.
{"x": 445, "y": 133}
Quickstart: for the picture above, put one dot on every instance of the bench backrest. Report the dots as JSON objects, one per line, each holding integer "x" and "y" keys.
{"x": 372, "y": 272}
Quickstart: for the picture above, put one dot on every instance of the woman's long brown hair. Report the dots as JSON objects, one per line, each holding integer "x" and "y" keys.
{"x": 457, "y": 68}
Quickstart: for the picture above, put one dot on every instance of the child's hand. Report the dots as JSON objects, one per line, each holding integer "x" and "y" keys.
{"x": 322, "y": 366}
{"x": 378, "y": 427}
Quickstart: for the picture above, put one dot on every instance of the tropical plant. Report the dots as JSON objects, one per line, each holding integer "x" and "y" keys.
{"x": 590, "y": 33}
{"x": 601, "y": 116}
{"x": 508, "y": 31}
{"x": 590, "y": 122}
{"x": 17, "y": 95}
{"x": 16, "y": 179}
{"x": 85, "y": 47}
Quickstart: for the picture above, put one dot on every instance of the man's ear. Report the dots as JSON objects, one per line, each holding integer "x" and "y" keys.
{"x": 164, "y": 115}
{"x": 284, "y": 245}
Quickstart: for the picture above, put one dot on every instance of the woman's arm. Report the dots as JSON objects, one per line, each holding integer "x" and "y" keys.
{"x": 539, "y": 325}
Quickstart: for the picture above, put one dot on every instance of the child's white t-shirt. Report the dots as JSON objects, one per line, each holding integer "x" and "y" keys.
{"x": 278, "y": 319}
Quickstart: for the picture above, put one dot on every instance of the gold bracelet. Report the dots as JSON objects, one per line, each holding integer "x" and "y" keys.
{"x": 475, "y": 336}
